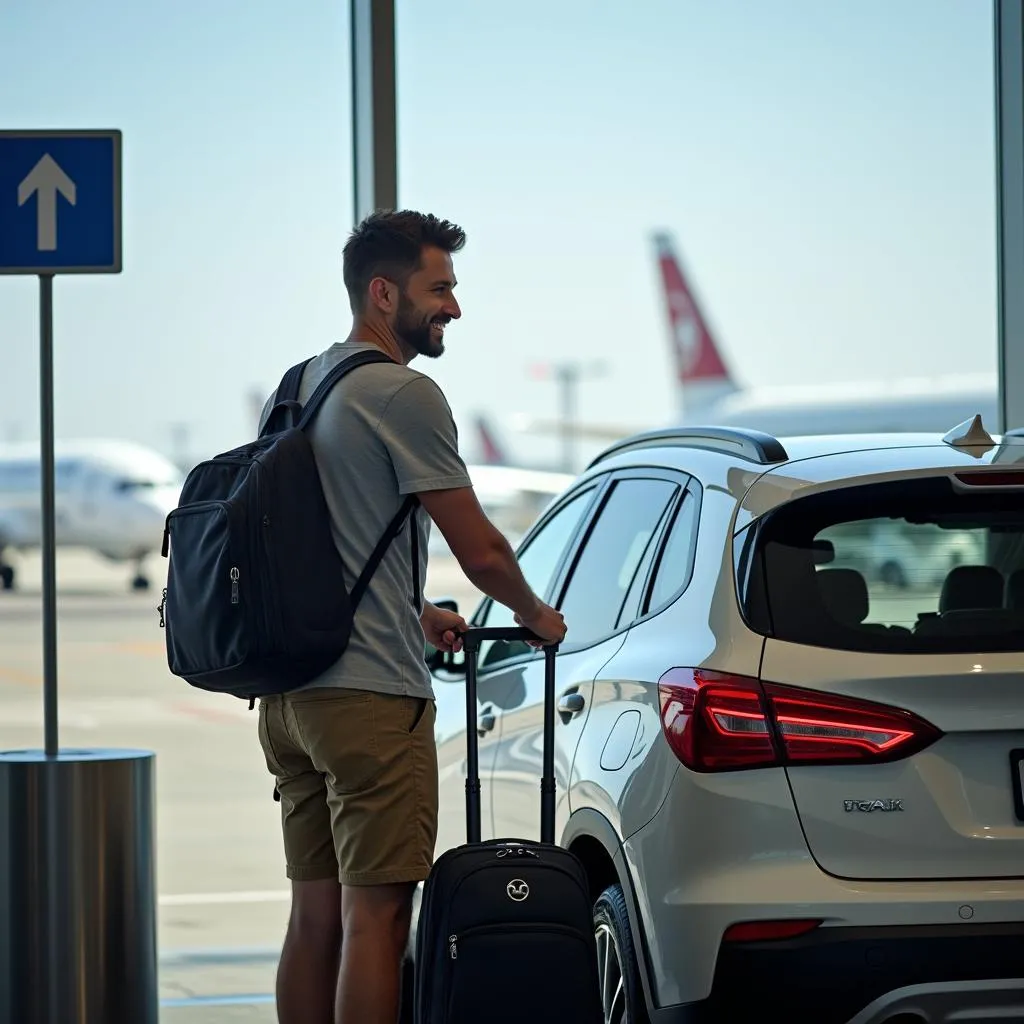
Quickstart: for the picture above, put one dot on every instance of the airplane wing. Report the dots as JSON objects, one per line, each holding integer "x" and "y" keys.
{"x": 587, "y": 431}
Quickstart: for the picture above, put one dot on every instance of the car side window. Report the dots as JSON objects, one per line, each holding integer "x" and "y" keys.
{"x": 675, "y": 562}
{"x": 608, "y": 563}
{"x": 630, "y": 609}
{"x": 538, "y": 562}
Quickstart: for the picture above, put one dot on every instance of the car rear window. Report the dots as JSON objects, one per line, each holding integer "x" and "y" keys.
{"x": 918, "y": 566}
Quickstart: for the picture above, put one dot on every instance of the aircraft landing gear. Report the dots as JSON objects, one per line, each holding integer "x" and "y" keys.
{"x": 6, "y": 571}
{"x": 140, "y": 581}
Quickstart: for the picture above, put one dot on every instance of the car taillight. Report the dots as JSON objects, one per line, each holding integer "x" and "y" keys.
{"x": 714, "y": 721}
{"x": 816, "y": 727}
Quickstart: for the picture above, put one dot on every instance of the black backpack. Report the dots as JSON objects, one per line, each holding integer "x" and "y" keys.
{"x": 256, "y": 602}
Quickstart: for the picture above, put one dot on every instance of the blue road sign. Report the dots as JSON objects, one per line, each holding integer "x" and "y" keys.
{"x": 60, "y": 202}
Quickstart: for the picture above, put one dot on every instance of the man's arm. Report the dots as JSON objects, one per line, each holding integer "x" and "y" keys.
{"x": 418, "y": 430}
{"x": 484, "y": 554}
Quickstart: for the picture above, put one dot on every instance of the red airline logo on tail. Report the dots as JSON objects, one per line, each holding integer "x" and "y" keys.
{"x": 491, "y": 452}
{"x": 696, "y": 354}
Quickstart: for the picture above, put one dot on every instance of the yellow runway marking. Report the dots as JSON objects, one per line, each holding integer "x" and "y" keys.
{"x": 147, "y": 647}
{"x": 20, "y": 678}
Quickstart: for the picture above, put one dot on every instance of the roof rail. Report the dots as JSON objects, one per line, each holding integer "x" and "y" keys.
{"x": 752, "y": 445}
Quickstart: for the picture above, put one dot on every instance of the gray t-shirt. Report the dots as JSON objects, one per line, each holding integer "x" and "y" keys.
{"x": 384, "y": 431}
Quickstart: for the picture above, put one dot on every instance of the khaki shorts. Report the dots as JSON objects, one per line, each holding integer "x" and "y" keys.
{"x": 357, "y": 774}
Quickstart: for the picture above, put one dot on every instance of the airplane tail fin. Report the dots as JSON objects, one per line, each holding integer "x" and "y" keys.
{"x": 702, "y": 376}
{"x": 491, "y": 453}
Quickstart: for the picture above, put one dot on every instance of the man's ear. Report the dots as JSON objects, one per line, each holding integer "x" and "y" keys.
{"x": 383, "y": 294}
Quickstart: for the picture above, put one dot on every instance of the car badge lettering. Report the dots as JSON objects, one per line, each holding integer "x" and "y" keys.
{"x": 517, "y": 890}
{"x": 868, "y": 806}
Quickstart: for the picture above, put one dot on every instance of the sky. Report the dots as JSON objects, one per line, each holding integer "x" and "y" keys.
{"x": 826, "y": 169}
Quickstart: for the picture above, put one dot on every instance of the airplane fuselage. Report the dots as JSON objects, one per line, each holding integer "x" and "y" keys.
{"x": 867, "y": 407}
{"x": 109, "y": 497}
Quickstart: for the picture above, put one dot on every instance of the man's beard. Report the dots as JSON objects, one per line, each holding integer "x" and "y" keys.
{"x": 411, "y": 328}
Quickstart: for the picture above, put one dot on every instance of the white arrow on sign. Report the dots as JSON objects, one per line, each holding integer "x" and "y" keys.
{"x": 45, "y": 180}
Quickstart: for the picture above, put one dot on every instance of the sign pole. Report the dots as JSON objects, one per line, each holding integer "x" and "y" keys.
{"x": 49, "y": 515}
{"x": 52, "y": 866}
{"x": 78, "y": 921}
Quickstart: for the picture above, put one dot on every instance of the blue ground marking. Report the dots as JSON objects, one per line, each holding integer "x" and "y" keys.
{"x": 238, "y": 1000}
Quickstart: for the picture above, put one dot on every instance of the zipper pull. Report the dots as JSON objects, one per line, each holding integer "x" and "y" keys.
{"x": 453, "y": 949}
{"x": 234, "y": 585}
{"x": 160, "y": 607}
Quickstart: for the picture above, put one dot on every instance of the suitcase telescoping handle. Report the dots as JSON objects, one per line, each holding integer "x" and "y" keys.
{"x": 471, "y": 640}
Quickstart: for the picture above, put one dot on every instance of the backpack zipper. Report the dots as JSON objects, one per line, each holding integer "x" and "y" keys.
{"x": 261, "y": 550}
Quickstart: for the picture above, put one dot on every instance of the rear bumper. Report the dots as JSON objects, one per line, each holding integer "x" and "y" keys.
{"x": 868, "y": 976}
{"x": 728, "y": 850}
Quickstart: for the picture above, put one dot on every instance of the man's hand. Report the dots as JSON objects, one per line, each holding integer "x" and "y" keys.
{"x": 547, "y": 623}
{"x": 440, "y": 627}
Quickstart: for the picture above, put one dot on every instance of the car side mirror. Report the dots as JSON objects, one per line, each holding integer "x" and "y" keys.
{"x": 436, "y": 659}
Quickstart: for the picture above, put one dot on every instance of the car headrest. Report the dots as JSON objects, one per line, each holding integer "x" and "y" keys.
{"x": 788, "y": 565}
{"x": 1015, "y": 591}
{"x": 844, "y": 595}
{"x": 823, "y": 552}
{"x": 970, "y": 587}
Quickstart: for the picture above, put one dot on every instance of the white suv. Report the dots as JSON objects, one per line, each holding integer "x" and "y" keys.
{"x": 797, "y": 790}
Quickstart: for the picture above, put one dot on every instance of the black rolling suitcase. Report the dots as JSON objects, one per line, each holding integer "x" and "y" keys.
{"x": 506, "y": 929}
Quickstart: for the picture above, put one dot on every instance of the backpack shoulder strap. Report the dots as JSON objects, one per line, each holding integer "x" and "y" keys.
{"x": 286, "y": 408}
{"x": 316, "y": 399}
{"x": 288, "y": 389}
{"x": 408, "y": 508}
{"x": 408, "y": 505}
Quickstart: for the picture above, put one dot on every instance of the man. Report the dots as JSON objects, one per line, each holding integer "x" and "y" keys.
{"x": 353, "y": 752}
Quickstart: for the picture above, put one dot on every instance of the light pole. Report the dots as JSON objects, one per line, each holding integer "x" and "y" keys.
{"x": 568, "y": 376}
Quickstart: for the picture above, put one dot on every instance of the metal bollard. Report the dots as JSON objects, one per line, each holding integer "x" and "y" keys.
{"x": 77, "y": 888}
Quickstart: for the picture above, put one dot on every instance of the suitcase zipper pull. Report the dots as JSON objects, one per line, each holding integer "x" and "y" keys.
{"x": 234, "y": 585}
{"x": 453, "y": 949}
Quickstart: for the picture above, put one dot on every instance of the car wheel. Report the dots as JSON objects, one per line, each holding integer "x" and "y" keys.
{"x": 622, "y": 994}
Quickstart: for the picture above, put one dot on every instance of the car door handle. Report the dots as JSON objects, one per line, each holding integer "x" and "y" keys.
{"x": 571, "y": 703}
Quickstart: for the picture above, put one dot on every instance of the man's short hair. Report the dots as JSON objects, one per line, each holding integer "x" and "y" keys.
{"x": 389, "y": 243}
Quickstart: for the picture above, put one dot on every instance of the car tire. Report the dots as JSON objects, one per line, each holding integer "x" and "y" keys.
{"x": 622, "y": 994}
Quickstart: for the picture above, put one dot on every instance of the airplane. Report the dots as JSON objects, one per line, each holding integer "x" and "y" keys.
{"x": 492, "y": 452}
{"x": 110, "y": 497}
{"x": 708, "y": 391}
